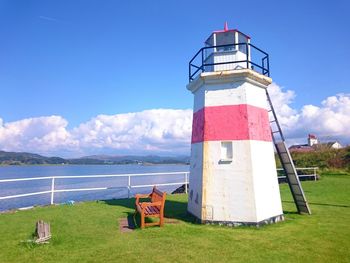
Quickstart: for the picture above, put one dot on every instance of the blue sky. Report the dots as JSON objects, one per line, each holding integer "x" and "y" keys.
{"x": 81, "y": 59}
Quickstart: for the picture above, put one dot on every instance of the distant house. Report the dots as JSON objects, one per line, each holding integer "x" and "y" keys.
{"x": 335, "y": 145}
{"x": 312, "y": 140}
{"x": 313, "y": 144}
{"x": 329, "y": 145}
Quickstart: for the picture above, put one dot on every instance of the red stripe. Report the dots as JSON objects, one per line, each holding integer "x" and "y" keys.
{"x": 233, "y": 122}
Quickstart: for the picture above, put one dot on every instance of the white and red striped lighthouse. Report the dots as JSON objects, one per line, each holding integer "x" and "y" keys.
{"x": 233, "y": 176}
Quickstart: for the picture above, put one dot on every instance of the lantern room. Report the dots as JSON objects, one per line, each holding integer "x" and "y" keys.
{"x": 226, "y": 49}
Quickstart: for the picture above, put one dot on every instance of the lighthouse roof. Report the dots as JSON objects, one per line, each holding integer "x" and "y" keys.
{"x": 225, "y": 30}
{"x": 230, "y": 30}
{"x": 312, "y": 136}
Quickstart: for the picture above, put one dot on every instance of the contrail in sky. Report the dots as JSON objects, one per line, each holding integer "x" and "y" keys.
{"x": 49, "y": 18}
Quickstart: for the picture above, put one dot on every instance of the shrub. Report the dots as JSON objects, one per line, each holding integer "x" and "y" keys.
{"x": 323, "y": 158}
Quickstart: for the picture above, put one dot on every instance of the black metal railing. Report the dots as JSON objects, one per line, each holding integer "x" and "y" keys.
{"x": 255, "y": 59}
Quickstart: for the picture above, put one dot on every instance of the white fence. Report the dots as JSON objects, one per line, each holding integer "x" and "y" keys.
{"x": 129, "y": 186}
{"x": 313, "y": 173}
{"x": 53, "y": 179}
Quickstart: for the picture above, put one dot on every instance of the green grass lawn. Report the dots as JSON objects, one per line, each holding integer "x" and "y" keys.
{"x": 89, "y": 232}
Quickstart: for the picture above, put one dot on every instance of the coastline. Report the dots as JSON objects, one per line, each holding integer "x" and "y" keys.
{"x": 91, "y": 164}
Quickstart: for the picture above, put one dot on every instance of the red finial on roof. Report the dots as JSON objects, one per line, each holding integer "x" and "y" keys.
{"x": 226, "y": 27}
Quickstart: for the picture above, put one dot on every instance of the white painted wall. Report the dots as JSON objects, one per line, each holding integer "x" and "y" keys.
{"x": 246, "y": 189}
{"x": 266, "y": 188}
{"x": 229, "y": 188}
{"x": 195, "y": 180}
{"x": 235, "y": 93}
{"x": 312, "y": 141}
{"x": 336, "y": 145}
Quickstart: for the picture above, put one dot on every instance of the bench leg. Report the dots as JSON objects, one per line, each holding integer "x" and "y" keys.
{"x": 161, "y": 220}
{"x": 142, "y": 220}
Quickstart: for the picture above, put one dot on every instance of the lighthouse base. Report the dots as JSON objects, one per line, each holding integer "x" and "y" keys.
{"x": 268, "y": 221}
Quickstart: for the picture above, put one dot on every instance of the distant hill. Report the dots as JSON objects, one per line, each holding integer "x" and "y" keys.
{"x": 18, "y": 158}
{"x": 131, "y": 159}
{"x": 23, "y": 158}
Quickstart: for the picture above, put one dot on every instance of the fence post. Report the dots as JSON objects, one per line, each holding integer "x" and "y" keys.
{"x": 52, "y": 190}
{"x": 315, "y": 173}
{"x": 186, "y": 182}
{"x": 129, "y": 186}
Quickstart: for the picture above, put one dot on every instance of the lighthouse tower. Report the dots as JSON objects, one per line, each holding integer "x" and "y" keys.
{"x": 233, "y": 176}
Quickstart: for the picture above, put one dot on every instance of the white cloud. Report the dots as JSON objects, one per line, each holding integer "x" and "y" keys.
{"x": 41, "y": 134}
{"x": 157, "y": 131}
{"x": 281, "y": 101}
{"x": 332, "y": 119}
{"x": 163, "y": 131}
{"x": 329, "y": 121}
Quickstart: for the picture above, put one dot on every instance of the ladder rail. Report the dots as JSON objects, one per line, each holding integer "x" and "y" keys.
{"x": 291, "y": 184}
{"x": 274, "y": 117}
{"x": 288, "y": 164}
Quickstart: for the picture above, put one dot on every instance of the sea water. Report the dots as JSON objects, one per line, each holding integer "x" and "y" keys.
{"x": 117, "y": 186}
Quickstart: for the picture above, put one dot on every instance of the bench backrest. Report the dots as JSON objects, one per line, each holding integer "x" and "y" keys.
{"x": 157, "y": 196}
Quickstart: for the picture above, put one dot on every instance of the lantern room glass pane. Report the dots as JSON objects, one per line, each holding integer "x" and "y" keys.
{"x": 226, "y": 38}
{"x": 242, "y": 39}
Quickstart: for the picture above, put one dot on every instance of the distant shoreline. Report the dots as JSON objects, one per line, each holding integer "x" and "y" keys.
{"x": 23, "y": 158}
{"x": 89, "y": 164}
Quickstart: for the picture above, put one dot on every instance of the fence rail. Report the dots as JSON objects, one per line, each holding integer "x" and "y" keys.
{"x": 129, "y": 186}
{"x": 313, "y": 173}
{"x": 255, "y": 59}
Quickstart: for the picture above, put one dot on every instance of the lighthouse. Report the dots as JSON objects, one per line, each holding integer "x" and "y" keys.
{"x": 233, "y": 178}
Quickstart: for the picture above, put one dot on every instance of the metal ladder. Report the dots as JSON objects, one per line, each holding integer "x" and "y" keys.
{"x": 287, "y": 161}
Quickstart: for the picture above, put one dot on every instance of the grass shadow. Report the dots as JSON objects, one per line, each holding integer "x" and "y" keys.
{"x": 334, "y": 205}
{"x": 290, "y": 212}
{"x": 322, "y": 204}
{"x": 134, "y": 220}
{"x": 131, "y": 221}
{"x": 173, "y": 210}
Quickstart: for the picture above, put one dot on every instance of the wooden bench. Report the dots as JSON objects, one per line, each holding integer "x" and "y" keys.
{"x": 155, "y": 208}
